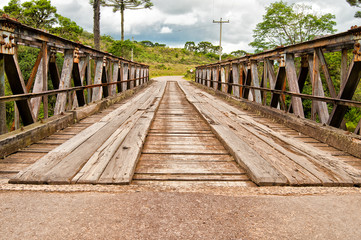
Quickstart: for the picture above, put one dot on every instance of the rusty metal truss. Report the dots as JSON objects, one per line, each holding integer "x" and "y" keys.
{"x": 87, "y": 75}
{"x": 268, "y": 77}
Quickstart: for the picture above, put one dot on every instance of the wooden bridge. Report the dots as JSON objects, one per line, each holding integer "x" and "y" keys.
{"x": 105, "y": 122}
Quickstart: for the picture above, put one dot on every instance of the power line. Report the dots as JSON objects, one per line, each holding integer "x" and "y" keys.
{"x": 220, "y": 36}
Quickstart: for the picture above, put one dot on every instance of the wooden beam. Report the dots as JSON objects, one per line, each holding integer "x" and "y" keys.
{"x": 64, "y": 82}
{"x": 317, "y": 90}
{"x": 215, "y": 78}
{"x": 236, "y": 77}
{"x": 343, "y": 67}
{"x": 326, "y": 72}
{"x": 17, "y": 85}
{"x": 264, "y": 83}
{"x": 137, "y": 75}
{"x": 209, "y": 77}
{"x": 280, "y": 79}
{"x": 255, "y": 81}
{"x": 45, "y": 78}
{"x": 132, "y": 76}
{"x": 98, "y": 91}
{"x": 125, "y": 76}
{"x": 293, "y": 84}
{"x": 358, "y": 128}
{"x": 302, "y": 76}
{"x": 89, "y": 78}
{"x": 30, "y": 82}
{"x": 114, "y": 78}
{"x": 39, "y": 84}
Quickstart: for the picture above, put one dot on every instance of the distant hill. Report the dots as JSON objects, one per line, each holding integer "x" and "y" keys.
{"x": 163, "y": 60}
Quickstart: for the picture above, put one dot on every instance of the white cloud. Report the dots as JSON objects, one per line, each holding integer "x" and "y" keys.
{"x": 166, "y": 30}
{"x": 191, "y": 20}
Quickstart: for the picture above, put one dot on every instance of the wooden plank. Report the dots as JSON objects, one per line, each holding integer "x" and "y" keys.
{"x": 255, "y": 81}
{"x": 236, "y": 76}
{"x": 341, "y": 175}
{"x": 125, "y": 76}
{"x": 95, "y": 166}
{"x": 38, "y": 87}
{"x": 190, "y": 177}
{"x": 98, "y": 91}
{"x": 343, "y": 68}
{"x": 294, "y": 174}
{"x": 185, "y": 157}
{"x": 326, "y": 72}
{"x": 65, "y": 170}
{"x": 64, "y": 82}
{"x": 317, "y": 89}
{"x": 121, "y": 168}
{"x": 259, "y": 170}
{"x": 65, "y": 153}
{"x": 35, "y": 172}
{"x": 294, "y": 85}
{"x": 215, "y": 78}
{"x": 221, "y": 168}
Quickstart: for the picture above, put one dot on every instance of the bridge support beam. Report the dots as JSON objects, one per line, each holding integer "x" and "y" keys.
{"x": 347, "y": 93}
{"x": 17, "y": 85}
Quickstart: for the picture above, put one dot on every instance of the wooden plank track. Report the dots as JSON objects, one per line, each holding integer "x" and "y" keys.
{"x": 181, "y": 148}
{"x": 272, "y": 153}
{"x": 89, "y": 156}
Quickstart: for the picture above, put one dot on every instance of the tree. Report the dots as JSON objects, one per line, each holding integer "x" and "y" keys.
{"x": 13, "y": 9}
{"x": 355, "y": 3}
{"x": 239, "y": 53}
{"x": 122, "y": 5}
{"x": 147, "y": 43}
{"x": 96, "y": 22}
{"x": 285, "y": 24}
{"x": 206, "y": 47}
{"x": 190, "y": 46}
{"x": 39, "y": 13}
{"x": 67, "y": 28}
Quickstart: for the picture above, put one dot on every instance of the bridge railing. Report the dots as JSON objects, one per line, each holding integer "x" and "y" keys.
{"x": 278, "y": 78}
{"x": 87, "y": 75}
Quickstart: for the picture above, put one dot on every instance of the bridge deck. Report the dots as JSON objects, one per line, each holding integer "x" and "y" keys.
{"x": 180, "y": 146}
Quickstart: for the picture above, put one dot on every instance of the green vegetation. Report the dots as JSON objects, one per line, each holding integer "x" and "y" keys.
{"x": 355, "y": 3}
{"x": 285, "y": 24}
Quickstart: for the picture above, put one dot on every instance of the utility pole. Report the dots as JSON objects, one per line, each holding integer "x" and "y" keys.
{"x": 220, "y": 36}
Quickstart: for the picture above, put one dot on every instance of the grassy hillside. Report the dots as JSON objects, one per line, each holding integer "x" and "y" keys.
{"x": 162, "y": 60}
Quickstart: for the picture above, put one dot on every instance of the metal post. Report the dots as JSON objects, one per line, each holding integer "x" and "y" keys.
{"x": 220, "y": 36}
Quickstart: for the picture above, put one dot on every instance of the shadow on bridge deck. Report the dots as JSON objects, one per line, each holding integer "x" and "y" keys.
{"x": 107, "y": 146}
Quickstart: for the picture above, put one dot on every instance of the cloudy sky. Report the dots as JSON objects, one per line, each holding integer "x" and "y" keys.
{"x": 175, "y": 22}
